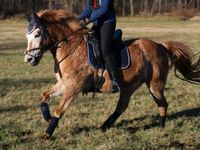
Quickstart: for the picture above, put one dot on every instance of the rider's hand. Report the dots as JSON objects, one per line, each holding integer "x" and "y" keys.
{"x": 87, "y": 21}
{"x": 84, "y": 23}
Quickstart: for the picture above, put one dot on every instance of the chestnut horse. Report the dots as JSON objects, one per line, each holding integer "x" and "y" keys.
{"x": 61, "y": 33}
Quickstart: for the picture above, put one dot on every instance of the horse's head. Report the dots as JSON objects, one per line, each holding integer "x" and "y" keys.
{"x": 36, "y": 36}
{"x": 47, "y": 30}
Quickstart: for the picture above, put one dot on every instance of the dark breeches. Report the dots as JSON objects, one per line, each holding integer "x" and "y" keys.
{"x": 105, "y": 34}
{"x": 106, "y": 37}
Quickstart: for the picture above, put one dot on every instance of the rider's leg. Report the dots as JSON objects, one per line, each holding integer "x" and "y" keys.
{"x": 106, "y": 36}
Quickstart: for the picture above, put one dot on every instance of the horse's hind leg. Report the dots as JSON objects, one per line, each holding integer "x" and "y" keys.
{"x": 121, "y": 107}
{"x": 157, "y": 91}
{"x": 53, "y": 92}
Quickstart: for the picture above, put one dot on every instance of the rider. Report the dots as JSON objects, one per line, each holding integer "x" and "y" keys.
{"x": 102, "y": 14}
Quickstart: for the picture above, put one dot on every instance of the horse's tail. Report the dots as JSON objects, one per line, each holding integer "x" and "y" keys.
{"x": 181, "y": 57}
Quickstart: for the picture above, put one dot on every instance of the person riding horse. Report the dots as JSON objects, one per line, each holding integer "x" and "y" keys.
{"x": 52, "y": 30}
{"x": 102, "y": 14}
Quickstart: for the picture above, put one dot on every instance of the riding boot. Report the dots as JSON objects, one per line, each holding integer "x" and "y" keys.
{"x": 106, "y": 38}
{"x": 115, "y": 82}
{"x": 114, "y": 75}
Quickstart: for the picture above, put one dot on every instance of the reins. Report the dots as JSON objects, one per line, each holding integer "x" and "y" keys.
{"x": 65, "y": 38}
{"x": 72, "y": 51}
{"x": 55, "y": 45}
{"x": 58, "y": 42}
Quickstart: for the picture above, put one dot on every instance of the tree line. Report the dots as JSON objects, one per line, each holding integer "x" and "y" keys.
{"x": 123, "y": 7}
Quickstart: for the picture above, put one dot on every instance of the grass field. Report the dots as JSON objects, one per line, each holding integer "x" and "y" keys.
{"x": 21, "y": 122}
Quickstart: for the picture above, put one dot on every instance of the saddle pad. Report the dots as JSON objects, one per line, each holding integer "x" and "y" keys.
{"x": 122, "y": 57}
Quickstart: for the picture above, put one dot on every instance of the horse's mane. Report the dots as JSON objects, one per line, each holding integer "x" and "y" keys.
{"x": 60, "y": 16}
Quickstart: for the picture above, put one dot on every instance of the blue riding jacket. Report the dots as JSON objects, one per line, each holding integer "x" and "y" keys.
{"x": 103, "y": 14}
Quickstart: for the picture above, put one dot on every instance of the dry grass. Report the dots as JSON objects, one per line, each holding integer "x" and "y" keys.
{"x": 20, "y": 86}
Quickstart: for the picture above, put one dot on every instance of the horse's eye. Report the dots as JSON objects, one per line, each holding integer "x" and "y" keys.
{"x": 38, "y": 34}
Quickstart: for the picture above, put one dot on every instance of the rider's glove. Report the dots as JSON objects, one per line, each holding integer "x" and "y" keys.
{"x": 85, "y": 23}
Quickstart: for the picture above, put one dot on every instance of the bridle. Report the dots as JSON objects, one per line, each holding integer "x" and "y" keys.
{"x": 55, "y": 45}
{"x": 42, "y": 48}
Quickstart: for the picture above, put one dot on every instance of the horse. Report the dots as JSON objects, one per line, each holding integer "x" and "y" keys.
{"x": 60, "y": 32}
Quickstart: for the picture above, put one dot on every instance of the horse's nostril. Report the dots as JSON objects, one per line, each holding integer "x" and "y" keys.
{"x": 31, "y": 59}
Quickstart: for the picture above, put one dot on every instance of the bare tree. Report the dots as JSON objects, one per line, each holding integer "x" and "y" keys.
{"x": 154, "y": 6}
{"x": 123, "y": 7}
{"x": 131, "y": 8}
{"x": 50, "y": 3}
{"x": 2, "y": 9}
{"x": 159, "y": 6}
{"x": 146, "y": 6}
{"x": 11, "y": 7}
{"x": 179, "y": 5}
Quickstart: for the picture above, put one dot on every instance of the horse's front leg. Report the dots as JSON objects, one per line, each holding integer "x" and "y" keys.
{"x": 56, "y": 90}
{"x": 66, "y": 99}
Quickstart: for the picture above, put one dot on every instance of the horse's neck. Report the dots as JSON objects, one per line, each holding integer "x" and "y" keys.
{"x": 71, "y": 51}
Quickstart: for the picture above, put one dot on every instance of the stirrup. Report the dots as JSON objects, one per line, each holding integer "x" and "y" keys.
{"x": 115, "y": 87}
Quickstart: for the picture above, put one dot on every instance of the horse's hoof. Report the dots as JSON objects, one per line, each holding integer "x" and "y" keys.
{"x": 104, "y": 128}
{"x": 45, "y": 137}
{"x": 48, "y": 121}
{"x": 161, "y": 128}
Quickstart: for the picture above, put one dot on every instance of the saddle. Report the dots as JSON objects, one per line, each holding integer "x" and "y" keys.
{"x": 120, "y": 52}
{"x": 121, "y": 56}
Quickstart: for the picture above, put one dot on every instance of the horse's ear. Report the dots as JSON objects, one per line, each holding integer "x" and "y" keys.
{"x": 32, "y": 16}
{"x": 28, "y": 16}
{"x": 37, "y": 18}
